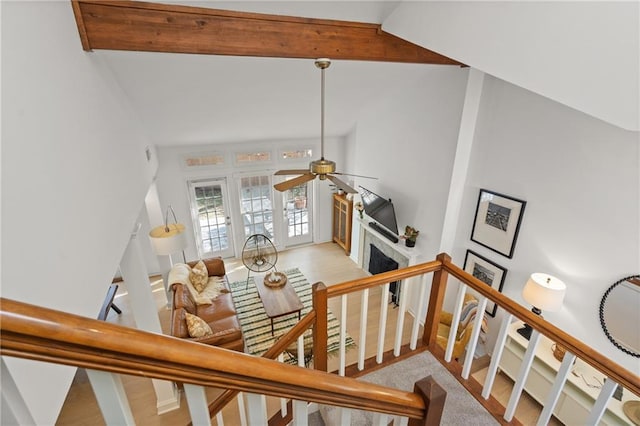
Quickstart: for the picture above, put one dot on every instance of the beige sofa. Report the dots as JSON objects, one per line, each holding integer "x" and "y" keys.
{"x": 214, "y": 305}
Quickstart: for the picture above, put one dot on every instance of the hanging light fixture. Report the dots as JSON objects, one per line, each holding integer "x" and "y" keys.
{"x": 170, "y": 238}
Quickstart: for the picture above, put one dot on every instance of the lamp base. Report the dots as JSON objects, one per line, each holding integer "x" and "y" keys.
{"x": 526, "y": 330}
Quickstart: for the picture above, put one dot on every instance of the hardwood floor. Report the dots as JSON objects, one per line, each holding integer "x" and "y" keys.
{"x": 322, "y": 262}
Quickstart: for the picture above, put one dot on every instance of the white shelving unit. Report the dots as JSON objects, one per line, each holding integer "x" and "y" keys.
{"x": 577, "y": 398}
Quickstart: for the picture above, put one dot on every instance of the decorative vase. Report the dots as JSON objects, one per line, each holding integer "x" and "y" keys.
{"x": 410, "y": 243}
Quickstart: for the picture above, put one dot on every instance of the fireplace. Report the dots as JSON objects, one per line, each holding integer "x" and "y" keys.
{"x": 380, "y": 262}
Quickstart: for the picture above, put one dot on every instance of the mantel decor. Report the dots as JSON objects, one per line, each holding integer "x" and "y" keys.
{"x": 488, "y": 272}
{"x": 497, "y": 222}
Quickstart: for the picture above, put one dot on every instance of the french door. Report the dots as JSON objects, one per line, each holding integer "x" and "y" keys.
{"x": 255, "y": 206}
{"x": 211, "y": 218}
{"x": 298, "y": 215}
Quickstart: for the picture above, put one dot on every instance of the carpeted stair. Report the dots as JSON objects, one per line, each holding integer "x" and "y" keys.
{"x": 460, "y": 407}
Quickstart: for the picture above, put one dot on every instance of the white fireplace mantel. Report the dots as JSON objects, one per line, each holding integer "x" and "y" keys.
{"x": 411, "y": 254}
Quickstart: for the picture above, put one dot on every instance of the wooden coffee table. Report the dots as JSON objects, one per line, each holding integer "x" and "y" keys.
{"x": 278, "y": 301}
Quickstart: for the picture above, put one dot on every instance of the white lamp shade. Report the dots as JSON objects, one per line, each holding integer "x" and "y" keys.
{"x": 165, "y": 243}
{"x": 544, "y": 292}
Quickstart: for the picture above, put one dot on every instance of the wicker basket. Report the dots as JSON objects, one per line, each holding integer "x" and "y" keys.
{"x": 558, "y": 351}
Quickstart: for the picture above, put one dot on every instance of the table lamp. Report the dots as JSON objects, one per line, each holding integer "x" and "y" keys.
{"x": 169, "y": 238}
{"x": 543, "y": 292}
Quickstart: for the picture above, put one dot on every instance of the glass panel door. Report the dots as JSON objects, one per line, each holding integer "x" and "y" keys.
{"x": 297, "y": 214}
{"x": 211, "y": 218}
{"x": 255, "y": 206}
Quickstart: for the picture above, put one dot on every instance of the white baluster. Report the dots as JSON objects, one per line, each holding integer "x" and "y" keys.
{"x": 380, "y": 419}
{"x": 198, "y": 405}
{"x": 112, "y": 398}
{"x": 345, "y": 416}
{"x": 448, "y": 353}
{"x": 556, "y": 389}
{"x": 522, "y": 376}
{"x": 241, "y": 409}
{"x": 600, "y": 405}
{"x": 404, "y": 290}
{"x": 219, "y": 418}
{"x": 301, "y": 351}
{"x": 497, "y": 354}
{"x": 364, "y": 311}
{"x": 382, "y": 327}
{"x": 256, "y": 413}
{"x": 343, "y": 334}
{"x": 475, "y": 335}
{"x": 300, "y": 413}
{"x": 416, "y": 321}
{"x": 283, "y": 401}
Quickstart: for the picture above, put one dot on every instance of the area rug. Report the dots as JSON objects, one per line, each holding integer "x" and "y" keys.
{"x": 256, "y": 326}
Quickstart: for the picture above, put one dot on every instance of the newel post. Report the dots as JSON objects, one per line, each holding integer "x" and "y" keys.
{"x": 436, "y": 298}
{"x": 433, "y": 396}
{"x": 320, "y": 333}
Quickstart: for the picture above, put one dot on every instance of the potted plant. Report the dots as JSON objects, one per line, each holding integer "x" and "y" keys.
{"x": 359, "y": 207}
{"x": 410, "y": 236}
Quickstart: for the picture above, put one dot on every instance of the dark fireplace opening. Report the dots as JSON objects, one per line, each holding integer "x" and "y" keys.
{"x": 380, "y": 262}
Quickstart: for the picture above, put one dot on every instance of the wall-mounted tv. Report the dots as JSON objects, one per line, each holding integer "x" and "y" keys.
{"x": 380, "y": 210}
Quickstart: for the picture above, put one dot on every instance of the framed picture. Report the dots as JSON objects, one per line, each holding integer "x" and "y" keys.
{"x": 497, "y": 222}
{"x": 488, "y": 272}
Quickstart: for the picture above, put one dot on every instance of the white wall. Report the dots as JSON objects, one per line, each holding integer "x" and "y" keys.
{"x": 581, "y": 180}
{"x": 584, "y": 54}
{"x": 407, "y": 139}
{"x": 74, "y": 177}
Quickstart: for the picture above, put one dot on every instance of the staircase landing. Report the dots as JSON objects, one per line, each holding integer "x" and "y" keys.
{"x": 460, "y": 407}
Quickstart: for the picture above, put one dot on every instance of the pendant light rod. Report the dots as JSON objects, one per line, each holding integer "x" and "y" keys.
{"x": 323, "y": 64}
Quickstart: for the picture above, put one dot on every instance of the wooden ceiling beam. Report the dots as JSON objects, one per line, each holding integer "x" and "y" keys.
{"x": 153, "y": 27}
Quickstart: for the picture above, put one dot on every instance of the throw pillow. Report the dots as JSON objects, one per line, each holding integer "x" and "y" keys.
{"x": 197, "y": 326}
{"x": 199, "y": 276}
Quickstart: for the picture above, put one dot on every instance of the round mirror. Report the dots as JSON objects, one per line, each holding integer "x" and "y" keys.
{"x": 620, "y": 316}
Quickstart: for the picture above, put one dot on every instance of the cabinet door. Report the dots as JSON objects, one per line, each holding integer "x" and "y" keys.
{"x": 342, "y": 210}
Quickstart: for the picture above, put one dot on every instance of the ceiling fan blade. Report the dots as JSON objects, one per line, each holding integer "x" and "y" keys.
{"x": 351, "y": 174}
{"x": 340, "y": 184}
{"x": 292, "y": 172}
{"x": 288, "y": 184}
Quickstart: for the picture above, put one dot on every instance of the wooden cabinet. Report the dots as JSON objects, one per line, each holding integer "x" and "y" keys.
{"x": 342, "y": 217}
{"x": 576, "y": 399}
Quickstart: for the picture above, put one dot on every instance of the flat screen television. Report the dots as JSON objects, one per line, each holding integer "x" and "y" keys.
{"x": 379, "y": 209}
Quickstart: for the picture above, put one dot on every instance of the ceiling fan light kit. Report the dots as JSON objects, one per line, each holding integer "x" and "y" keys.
{"x": 322, "y": 168}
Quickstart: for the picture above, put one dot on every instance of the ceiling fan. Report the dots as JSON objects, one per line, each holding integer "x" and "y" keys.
{"x": 322, "y": 168}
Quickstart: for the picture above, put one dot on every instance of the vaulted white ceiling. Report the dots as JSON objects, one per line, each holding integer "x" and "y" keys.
{"x": 192, "y": 99}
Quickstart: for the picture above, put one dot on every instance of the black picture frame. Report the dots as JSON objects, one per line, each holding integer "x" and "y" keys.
{"x": 488, "y": 272}
{"x": 497, "y": 221}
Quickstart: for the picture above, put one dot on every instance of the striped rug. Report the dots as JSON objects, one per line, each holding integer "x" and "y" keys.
{"x": 256, "y": 326}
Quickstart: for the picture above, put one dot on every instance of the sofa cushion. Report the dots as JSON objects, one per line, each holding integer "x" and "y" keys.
{"x": 182, "y": 299}
{"x": 199, "y": 276}
{"x": 220, "y": 307}
{"x": 197, "y": 326}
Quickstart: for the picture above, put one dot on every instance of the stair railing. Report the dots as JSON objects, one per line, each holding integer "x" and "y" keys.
{"x": 47, "y": 335}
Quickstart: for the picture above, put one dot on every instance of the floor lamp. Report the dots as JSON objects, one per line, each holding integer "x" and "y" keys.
{"x": 543, "y": 292}
{"x": 168, "y": 239}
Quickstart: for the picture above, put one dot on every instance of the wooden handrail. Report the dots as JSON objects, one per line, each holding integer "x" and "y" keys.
{"x": 443, "y": 263}
{"x": 383, "y": 278}
{"x": 598, "y": 361}
{"x": 47, "y": 335}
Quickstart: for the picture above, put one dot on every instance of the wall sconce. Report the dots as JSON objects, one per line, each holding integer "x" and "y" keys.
{"x": 543, "y": 292}
{"x": 170, "y": 238}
